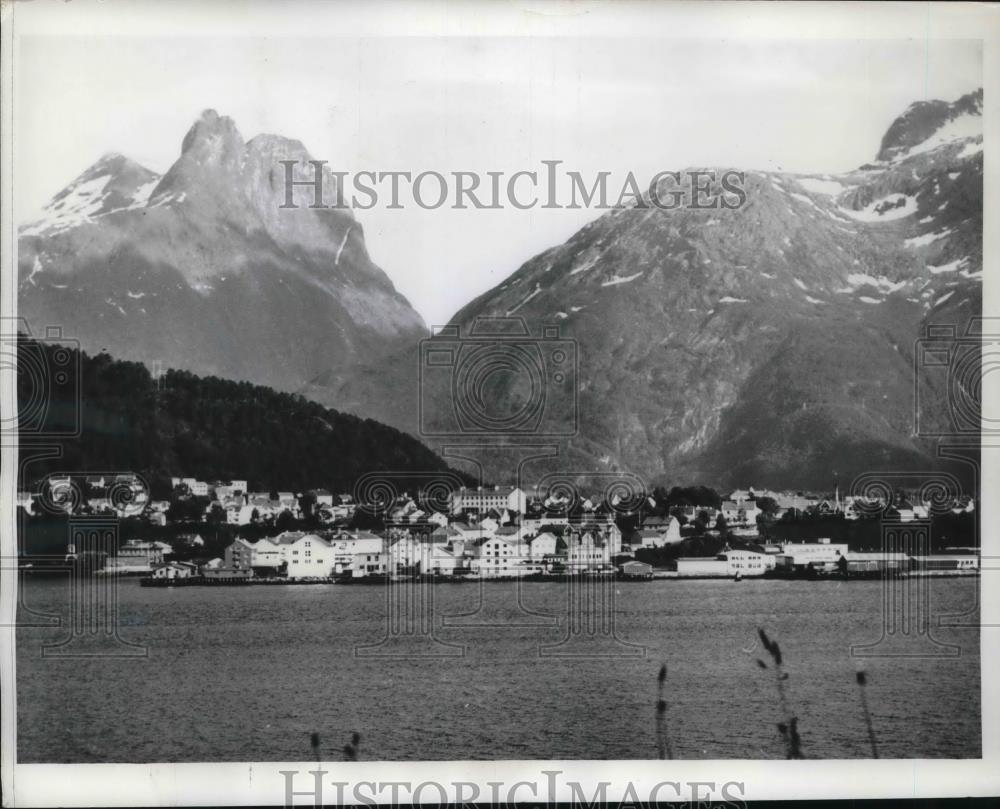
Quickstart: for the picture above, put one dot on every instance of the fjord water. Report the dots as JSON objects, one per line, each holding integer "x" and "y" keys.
{"x": 248, "y": 673}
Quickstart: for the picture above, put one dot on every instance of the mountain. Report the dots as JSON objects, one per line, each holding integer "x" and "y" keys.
{"x": 201, "y": 269}
{"x": 183, "y": 425}
{"x": 772, "y": 344}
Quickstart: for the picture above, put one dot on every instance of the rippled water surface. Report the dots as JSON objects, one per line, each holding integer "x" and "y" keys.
{"x": 247, "y": 673}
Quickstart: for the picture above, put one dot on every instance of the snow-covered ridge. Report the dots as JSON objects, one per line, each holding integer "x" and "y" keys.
{"x": 967, "y": 125}
{"x": 75, "y": 205}
{"x": 96, "y": 193}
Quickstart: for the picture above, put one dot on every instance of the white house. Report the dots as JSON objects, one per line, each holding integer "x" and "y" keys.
{"x": 749, "y": 563}
{"x": 802, "y": 554}
{"x": 309, "y": 556}
{"x": 199, "y": 488}
{"x": 542, "y": 546}
{"x": 672, "y": 534}
{"x": 323, "y": 497}
{"x": 495, "y": 557}
{"x": 441, "y": 560}
{"x": 240, "y": 515}
{"x": 137, "y": 556}
{"x": 404, "y": 552}
{"x": 174, "y": 570}
{"x": 587, "y": 551}
{"x": 484, "y": 499}
{"x": 369, "y": 564}
{"x": 729, "y": 563}
{"x": 303, "y": 555}
{"x": 346, "y": 547}
{"x": 669, "y": 534}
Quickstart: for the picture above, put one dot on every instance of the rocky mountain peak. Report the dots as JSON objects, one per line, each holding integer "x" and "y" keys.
{"x": 771, "y": 342}
{"x": 211, "y": 133}
{"x": 113, "y": 183}
{"x": 927, "y": 124}
{"x": 207, "y": 271}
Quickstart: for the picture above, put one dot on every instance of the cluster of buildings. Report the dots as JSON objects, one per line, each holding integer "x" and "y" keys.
{"x": 127, "y": 495}
{"x": 741, "y": 507}
{"x": 240, "y": 506}
{"x": 819, "y": 558}
{"x": 232, "y": 502}
{"x": 122, "y": 495}
{"x": 487, "y": 532}
{"x": 485, "y": 549}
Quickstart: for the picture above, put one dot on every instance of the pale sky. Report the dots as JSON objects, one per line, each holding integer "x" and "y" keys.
{"x": 474, "y": 104}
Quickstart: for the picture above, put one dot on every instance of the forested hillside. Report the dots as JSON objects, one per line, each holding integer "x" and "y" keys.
{"x": 185, "y": 425}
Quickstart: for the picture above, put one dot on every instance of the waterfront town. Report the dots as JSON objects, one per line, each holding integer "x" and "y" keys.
{"x": 494, "y": 532}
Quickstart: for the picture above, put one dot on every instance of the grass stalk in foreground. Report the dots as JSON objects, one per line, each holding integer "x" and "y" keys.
{"x": 663, "y": 745}
{"x": 789, "y": 728}
{"x": 862, "y": 679}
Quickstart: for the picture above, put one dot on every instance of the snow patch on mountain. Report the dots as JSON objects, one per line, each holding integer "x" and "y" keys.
{"x": 524, "y": 300}
{"x": 615, "y": 280}
{"x": 970, "y": 149}
{"x": 585, "y": 266}
{"x": 969, "y": 125}
{"x": 141, "y": 197}
{"x": 926, "y": 238}
{"x": 951, "y": 266}
{"x": 822, "y": 186}
{"x": 36, "y": 267}
{"x": 885, "y": 209}
{"x": 857, "y": 280}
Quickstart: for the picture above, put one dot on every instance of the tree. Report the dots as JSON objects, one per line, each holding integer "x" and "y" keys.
{"x": 307, "y": 503}
{"x": 768, "y": 505}
{"x": 285, "y": 521}
{"x": 190, "y": 509}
